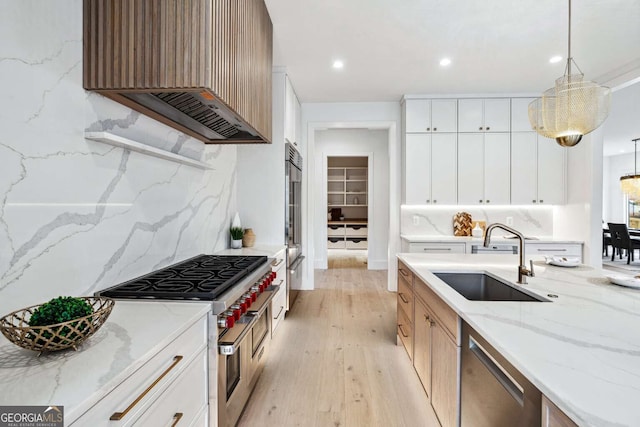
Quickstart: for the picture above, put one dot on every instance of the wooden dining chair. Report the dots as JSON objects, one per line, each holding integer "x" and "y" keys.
{"x": 622, "y": 241}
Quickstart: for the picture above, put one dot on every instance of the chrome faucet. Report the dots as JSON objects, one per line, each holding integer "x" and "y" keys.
{"x": 523, "y": 271}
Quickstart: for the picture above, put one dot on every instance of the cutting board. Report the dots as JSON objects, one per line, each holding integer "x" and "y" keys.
{"x": 462, "y": 224}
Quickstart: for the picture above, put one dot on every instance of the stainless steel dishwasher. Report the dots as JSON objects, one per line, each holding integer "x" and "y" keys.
{"x": 493, "y": 392}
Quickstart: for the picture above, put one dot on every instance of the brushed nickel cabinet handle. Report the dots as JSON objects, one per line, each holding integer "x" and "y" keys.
{"x": 488, "y": 201}
{"x": 428, "y": 129}
{"x": 402, "y": 297}
{"x": 487, "y": 128}
{"x": 435, "y": 201}
{"x": 402, "y": 331}
{"x": 404, "y": 273}
{"x": 275, "y": 264}
{"x": 534, "y": 201}
{"x": 435, "y": 129}
{"x": 541, "y": 201}
{"x": 480, "y": 200}
{"x": 480, "y": 128}
{"x": 176, "y": 418}
{"x": 117, "y": 416}
{"x": 279, "y": 313}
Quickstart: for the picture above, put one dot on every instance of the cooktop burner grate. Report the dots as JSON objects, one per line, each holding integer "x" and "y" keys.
{"x": 203, "y": 277}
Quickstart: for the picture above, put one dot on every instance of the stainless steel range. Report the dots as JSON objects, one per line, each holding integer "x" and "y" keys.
{"x": 240, "y": 290}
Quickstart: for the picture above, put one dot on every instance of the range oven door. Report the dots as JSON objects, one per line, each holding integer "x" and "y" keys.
{"x": 242, "y": 351}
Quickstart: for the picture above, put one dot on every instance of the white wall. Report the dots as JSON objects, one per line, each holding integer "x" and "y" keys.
{"x": 261, "y": 177}
{"x": 361, "y": 142}
{"x": 614, "y": 199}
{"x": 581, "y": 217}
{"x": 77, "y": 216}
{"x": 373, "y": 115}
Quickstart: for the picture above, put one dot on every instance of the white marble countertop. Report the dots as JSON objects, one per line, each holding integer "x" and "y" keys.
{"x": 582, "y": 350}
{"x": 268, "y": 250}
{"x": 495, "y": 238}
{"x": 133, "y": 333}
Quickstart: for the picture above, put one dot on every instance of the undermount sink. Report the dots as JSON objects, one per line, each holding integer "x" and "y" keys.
{"x": 478, "y": 286}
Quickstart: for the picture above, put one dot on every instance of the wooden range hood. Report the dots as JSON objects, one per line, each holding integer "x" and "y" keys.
{"x": 200, "y": 66}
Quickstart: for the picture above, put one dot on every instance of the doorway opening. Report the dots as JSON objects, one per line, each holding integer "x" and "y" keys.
{"x": 347, "y": 211}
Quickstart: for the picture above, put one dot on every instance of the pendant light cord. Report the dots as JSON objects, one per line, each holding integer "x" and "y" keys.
{"x": 569, "y": 58}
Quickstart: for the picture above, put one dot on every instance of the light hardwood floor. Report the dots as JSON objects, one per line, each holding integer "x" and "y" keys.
{"x": 334, "y": 360}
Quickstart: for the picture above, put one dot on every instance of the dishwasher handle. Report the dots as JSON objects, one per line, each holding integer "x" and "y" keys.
{"x": 500, "y": 374}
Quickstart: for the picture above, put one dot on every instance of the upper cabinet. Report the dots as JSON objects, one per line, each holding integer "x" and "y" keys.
{"x": 190, "y": 65}
{"x": 292, "y": 111}
{"x": 484, "y": 115}
{"x": 520, "y": 115}
{"x": 427, "y": 116}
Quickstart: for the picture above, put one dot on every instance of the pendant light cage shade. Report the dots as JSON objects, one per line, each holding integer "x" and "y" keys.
{"x": 572, "y": 108}
{"x": 630, "y": 186}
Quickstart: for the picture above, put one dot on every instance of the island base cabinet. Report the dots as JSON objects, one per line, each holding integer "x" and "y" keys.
{"x": 422, "y": 345}
{"x": 552, "y": 416}
{"x": 445, "y": 358}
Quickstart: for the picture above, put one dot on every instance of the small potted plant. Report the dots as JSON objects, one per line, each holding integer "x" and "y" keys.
{"x": 236, "y": 237}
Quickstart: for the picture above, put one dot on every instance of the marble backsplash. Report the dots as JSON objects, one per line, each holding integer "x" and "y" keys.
{"x": 535, "y": 221}
{"x": 77, "y": 216}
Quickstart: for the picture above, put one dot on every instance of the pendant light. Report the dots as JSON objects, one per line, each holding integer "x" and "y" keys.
{"x": 630, "y": 184}
{"x": 572, "y": 108}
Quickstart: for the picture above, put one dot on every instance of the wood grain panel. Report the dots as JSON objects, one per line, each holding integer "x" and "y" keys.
{"x": 222, "y": 46}
{"x": 444, "y": 376}
{"x": 442, "y": 311}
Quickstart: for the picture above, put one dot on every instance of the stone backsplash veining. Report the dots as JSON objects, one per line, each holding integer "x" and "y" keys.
{"x": 535, "y": 221}
{"x": 76, "y": 215}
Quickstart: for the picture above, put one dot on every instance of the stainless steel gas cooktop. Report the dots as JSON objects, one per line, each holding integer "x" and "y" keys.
{"x": 203, "y": 277}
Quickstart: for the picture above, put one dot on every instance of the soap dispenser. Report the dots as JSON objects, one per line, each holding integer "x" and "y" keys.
{"x": 477, "y": 230}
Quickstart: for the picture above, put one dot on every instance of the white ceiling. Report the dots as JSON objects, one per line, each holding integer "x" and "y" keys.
{"x": 393, "y": 47}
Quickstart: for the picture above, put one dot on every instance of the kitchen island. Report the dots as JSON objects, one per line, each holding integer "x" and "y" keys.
{"x": 582, "y": 350}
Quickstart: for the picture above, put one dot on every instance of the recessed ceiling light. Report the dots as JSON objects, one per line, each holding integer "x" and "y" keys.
{"x": 337, "y": 64}
{"x": 445, "y": 62}
{"x": 555, "y": 59}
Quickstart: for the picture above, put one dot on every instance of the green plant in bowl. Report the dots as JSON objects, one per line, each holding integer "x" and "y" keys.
{"x": 236, "y": 233}
{"x": 59, "y": 310}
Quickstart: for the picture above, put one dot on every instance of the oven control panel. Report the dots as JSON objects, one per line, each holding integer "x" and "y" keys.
{"x": 229, "y": 318}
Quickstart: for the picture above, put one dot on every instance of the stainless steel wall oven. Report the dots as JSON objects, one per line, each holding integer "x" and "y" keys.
{"x": 293, "y": 221}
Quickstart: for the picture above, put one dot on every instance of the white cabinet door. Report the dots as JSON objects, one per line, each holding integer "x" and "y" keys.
{"x": 497, "y": 115}
{"x": 524, "y": 168}
{"x": 444, "y": 115}
{"x": 417, "y": 174}
{"x": 484, "y": 115}
{"x": 551, "y": 172}
{"x": 470, "y": 115}
{"x": 417, "y": 115}
{"x": 470, "y": 169}
{"x": 520, "y": 115}
{"x": 443, "y": 168}
{"x": 497, "y": 171}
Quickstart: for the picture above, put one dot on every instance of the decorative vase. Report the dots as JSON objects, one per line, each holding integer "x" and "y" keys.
{"x": 236, "y": 243}
{"x": 248, "y": 238}
{"x": 236, "y": 221}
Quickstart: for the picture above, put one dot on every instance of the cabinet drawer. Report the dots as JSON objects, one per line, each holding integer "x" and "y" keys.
{"x": 278, "y": 308}
{"x": 356, "y": 230}
{"x": 187, "y": 396}
{"x": 335, "y": 230}
{"x": 447, "y": 317}
{"x": 542, "y": 249}
{"x": 356, "y": 243}
{"x": 186, "y": 345}
{"x": 405, "y": 332}
{"x": 405, "y": 297}
{"x": 438, "y": 248}
{"x": 552, "y": 416}
{"x": 336, "y": 243}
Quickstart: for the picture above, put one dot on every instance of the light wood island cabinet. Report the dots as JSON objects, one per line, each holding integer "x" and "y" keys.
{"x": 552, "y": 416}
{"x": 405, "y": 308}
